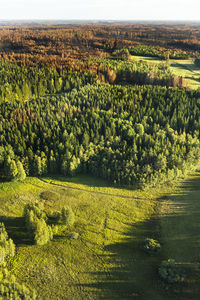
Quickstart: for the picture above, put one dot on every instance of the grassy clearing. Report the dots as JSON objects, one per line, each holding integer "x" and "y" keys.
{"x": 180, "y": 224}
{"x": 185, "y": 68}
{"x": 106, "y": 261}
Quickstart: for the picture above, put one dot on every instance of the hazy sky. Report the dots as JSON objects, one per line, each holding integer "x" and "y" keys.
{"x": 101, "y": 9}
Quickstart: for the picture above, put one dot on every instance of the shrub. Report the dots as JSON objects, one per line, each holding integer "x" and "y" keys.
{"x": 49, "y": 196}
{"x": 74, "y": 236}
{"x": 169, "y": 271}
{"x": 67, "y": 216}
{"x": 151, "y": 246}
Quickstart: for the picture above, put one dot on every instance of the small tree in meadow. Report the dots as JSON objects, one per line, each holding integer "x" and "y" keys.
{"x": 67, "y": 216}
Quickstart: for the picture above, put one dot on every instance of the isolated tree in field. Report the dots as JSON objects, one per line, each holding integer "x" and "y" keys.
{"x": 67, "y": 216}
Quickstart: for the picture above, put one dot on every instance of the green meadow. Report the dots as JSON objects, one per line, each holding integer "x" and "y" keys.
{"x": 106, "y": 261}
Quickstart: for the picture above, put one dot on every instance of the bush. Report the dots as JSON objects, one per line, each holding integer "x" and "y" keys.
{"x": 151, "y": 246}
{"x": 67, "y": 216}
{"x": 169, "y": 271}
{"x": 49, "y": 196}
{"x": 74, "y": 236}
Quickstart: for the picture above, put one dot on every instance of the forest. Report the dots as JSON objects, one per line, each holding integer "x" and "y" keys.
{"x": 77, "y": 107}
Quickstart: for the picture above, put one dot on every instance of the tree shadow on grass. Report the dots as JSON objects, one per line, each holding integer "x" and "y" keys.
{"x": 135, "y": 273}
{"x": 90, "y": 181}
{"x": 16, "y": 229}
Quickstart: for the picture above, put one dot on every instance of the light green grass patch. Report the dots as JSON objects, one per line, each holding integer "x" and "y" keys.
{"x": 106, "y": 261}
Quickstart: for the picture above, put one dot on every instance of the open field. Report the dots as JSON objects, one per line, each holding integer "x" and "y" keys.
{"x": 185, "y": 68}
{"x": 106, "y": 262}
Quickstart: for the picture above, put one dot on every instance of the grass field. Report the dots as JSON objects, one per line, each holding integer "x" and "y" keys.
{"x": 180, "y": 228}
{"x": 106, "y": 262}
{"x": 185, "y": 68}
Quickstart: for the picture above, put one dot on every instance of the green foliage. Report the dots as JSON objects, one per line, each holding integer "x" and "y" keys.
{"x": 151, "y": 51}
{"x": 42, "y": 233}
{"x": 7, "y": 247}
{"x": 142, "y": 135}
{"x": 35, "y": 218}
{"x": 122, "y": 53}
{"x": 67, "y": 216}
{"x": 11, "y": 289}
{"x": 169, "y": 271}
{"x": 22, "y": 83}
{"x": 11, "y": 169}
{"x": 120, "y": 71}
{"x": 21, "y": 175}
{"x": 151, "y": 246}
{"x": 74, "y": 236}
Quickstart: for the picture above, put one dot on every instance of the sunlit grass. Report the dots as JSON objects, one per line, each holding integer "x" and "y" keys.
{"x": 107, "y": 260}
{"x": 185, "y": 68}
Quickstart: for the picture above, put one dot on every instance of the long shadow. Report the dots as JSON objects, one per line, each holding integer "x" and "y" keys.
{"x": 90, "y": 181}
{"x": 16, "y": 229}
{"x": 180, "y": 221}
{"x": 135, "y": 275}
{"x": 66, "y": 187}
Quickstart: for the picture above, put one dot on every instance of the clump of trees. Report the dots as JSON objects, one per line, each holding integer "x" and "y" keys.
{"x": 162, "y": 53}
{"x": 151, "y": 246}
{"x": 7, "y": 247}
{"x": 170, "y": 272}
{"x": 38, "y": 229}
{"x": 121, "y": 53}
{"x": 9, "y": 288}
{"x": 37, "y": 222}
